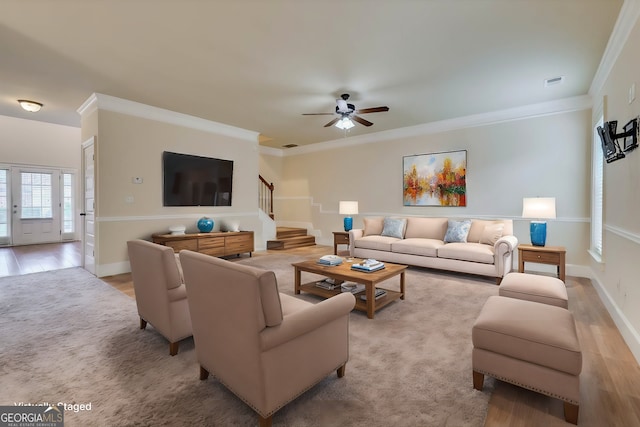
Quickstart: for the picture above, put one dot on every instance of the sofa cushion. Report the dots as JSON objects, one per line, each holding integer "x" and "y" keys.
{"x": 478, "y": 226}
{"x": 491, "y": 234}
{"x": 373, "y": 226}
{"x": 394, "y": 227}
{"x": 378, "y": 243}
{"x": 474, "y": 252}
{"x": 457, "y": 230}
{"x": 428, "y": 228}
{"x": 417, "y": 246}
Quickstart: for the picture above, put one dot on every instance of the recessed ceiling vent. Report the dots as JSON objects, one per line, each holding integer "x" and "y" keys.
{"x": 554, "y": 81}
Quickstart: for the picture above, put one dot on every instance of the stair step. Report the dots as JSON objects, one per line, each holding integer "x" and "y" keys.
{"x": 286, "y": 232}
{"x": 291, "y": 242}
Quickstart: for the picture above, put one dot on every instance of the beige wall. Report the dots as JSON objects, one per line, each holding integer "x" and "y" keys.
{"x": 617, "y": 276}
{"x": 129, "y": 146}
{"x": 542, "y": 156}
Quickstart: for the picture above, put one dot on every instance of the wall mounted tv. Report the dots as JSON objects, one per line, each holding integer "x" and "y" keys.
{"x": 196, "y": 181}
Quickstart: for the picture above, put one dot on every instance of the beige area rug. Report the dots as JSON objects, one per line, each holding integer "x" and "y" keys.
{"x": 68, "y": 337}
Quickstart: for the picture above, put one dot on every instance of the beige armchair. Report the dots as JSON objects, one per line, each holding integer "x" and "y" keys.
{"x": 161, "y": 296}
{"x": 266, "y": 347}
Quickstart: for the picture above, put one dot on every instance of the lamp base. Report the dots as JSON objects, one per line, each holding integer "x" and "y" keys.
{"x": 538, "y": 231}
{"x": 348, "y": 223}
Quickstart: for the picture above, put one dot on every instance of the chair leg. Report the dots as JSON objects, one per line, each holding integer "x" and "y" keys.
{"x": 571, "y": 413}
{"x": 173, "y": 348}
{"x": 341, "y": 370}
{"x": 204, "y": 374}
{"x": 478, "y": 380}
{"x": 266, "y": 422}
{"x": 143, "y": 323}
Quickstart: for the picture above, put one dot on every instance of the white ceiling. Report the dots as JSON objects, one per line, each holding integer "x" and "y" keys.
{"x": 259, "y": 64}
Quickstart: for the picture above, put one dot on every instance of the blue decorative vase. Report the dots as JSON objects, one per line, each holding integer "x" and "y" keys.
{"x": 538, "y": 231}
{"x": 348, "y": 223}
{"x": 205, "y": 224}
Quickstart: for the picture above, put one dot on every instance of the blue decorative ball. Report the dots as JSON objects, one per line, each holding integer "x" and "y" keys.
{"x": 205, "y": 225}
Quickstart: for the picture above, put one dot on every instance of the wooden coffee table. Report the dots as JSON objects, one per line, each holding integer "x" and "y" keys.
{"x": 344, "y": 273}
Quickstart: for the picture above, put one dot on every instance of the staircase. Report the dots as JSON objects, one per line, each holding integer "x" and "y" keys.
{"x": 290, "y": 237}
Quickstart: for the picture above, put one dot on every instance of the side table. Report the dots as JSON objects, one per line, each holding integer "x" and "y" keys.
{"x": 554, "y": 255}
{"x": 340, "y": 238}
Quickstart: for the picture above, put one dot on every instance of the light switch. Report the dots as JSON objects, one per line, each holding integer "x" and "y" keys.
{"x": 632, "y": 93}
{"x": 136, "y": 180}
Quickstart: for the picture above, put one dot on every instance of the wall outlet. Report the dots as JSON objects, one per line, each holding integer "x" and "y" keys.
{"x": 128, "y": 199}
{"x": 136, "y": 180}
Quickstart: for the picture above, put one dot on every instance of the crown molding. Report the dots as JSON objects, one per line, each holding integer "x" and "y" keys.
{"x": 98, "y": 101}
{"x": 629, "y": 14}
{"x": 559, "y": 106}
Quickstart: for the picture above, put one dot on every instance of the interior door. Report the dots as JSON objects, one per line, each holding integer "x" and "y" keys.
{"x": 89, "y": 226}
{"x": 35, "y": 205}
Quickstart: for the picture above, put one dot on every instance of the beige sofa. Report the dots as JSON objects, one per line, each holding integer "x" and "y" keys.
{"x": 486, "y": 250}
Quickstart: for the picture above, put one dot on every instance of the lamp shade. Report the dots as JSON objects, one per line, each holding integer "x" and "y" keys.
{"x": 348, "y": 208}
{"x": 539, "y": 207}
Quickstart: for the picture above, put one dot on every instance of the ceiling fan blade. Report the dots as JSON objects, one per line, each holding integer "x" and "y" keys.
{"x": 373, "y": 110}
{"x": 332, "y": 122}
{"x": 318, "y": 114}
{"x": 361, "y": 120}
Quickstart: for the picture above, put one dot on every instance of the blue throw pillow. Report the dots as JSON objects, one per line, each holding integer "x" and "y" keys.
{"x": 394, "y": 227}
{"x": 457, "y": 231}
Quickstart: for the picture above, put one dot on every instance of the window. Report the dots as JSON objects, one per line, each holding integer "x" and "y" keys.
{"x": 4, "y": 203}
{"x": 67, "y": 203}
{"x": 36, "y": 195}
{"x": 597, "y": 173}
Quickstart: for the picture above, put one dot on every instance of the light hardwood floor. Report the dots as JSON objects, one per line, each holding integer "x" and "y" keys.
{"x": 610, "y": 379}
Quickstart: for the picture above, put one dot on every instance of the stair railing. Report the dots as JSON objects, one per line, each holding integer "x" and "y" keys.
{"x": 265, "y": 196}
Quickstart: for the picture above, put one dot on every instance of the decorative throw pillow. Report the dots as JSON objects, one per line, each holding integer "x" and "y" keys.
{"x": 394, "y": 227}
{"x": 457, "y": 231}
{"x": 372, "y": 226}
{"x": 491, "y": 234}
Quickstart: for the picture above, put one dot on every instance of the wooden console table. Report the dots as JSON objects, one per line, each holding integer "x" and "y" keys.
{"x": 554, "y": 255}
{"x": 215, "y": 244}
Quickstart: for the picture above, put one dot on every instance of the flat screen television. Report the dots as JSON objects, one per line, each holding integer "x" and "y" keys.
{"x": 196, "y": 181}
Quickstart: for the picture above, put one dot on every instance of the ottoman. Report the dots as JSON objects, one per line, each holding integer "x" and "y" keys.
{"x": 532, "y": 287}
{"x": 531, "y": 345}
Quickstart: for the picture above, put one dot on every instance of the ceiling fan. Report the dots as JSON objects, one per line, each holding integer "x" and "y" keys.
{"x": 347, "y": 112}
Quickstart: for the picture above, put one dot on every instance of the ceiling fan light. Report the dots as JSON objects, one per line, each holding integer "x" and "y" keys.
{"x": 344, "y": 123}
{"x": 30, "y": 106}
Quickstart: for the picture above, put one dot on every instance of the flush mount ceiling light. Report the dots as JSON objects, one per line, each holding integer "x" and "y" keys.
{"x": 345, "y": 123}
{"x": 30, "y": 106}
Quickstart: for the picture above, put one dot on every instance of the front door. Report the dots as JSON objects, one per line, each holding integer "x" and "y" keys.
{"x": 36, "y": 205}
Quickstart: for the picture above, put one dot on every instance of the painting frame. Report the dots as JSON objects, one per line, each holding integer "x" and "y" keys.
{"x": 435, "y": 179}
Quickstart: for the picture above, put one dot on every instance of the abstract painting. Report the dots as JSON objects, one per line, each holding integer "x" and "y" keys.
{"x": 435, "y": 179}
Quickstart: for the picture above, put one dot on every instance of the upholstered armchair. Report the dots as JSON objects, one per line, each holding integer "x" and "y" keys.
{"x": 266, "y": 347}
{"x": 161, "y": 296}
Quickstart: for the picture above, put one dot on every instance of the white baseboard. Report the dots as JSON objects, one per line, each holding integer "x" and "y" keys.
{"x": 104, "y": 270}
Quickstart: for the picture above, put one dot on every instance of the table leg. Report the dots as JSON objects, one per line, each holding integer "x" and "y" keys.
{"x": 297, "y": 275}
{"x": 402, "y": 285}
{"x": 371, "y": 300}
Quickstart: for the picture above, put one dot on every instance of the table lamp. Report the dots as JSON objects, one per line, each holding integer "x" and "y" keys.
{"x": 348, "y": 208}
{"x": 538, "y": 208}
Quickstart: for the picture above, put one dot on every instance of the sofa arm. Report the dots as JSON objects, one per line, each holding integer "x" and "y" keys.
{"x": 304, "y": 321}
{"x": 504, "y": 248}
{"x": 354, "y": 233}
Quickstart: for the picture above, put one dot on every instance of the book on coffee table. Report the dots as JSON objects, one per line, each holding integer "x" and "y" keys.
{"x": 368, "y": 265}
{"x": 379, "y": 294}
